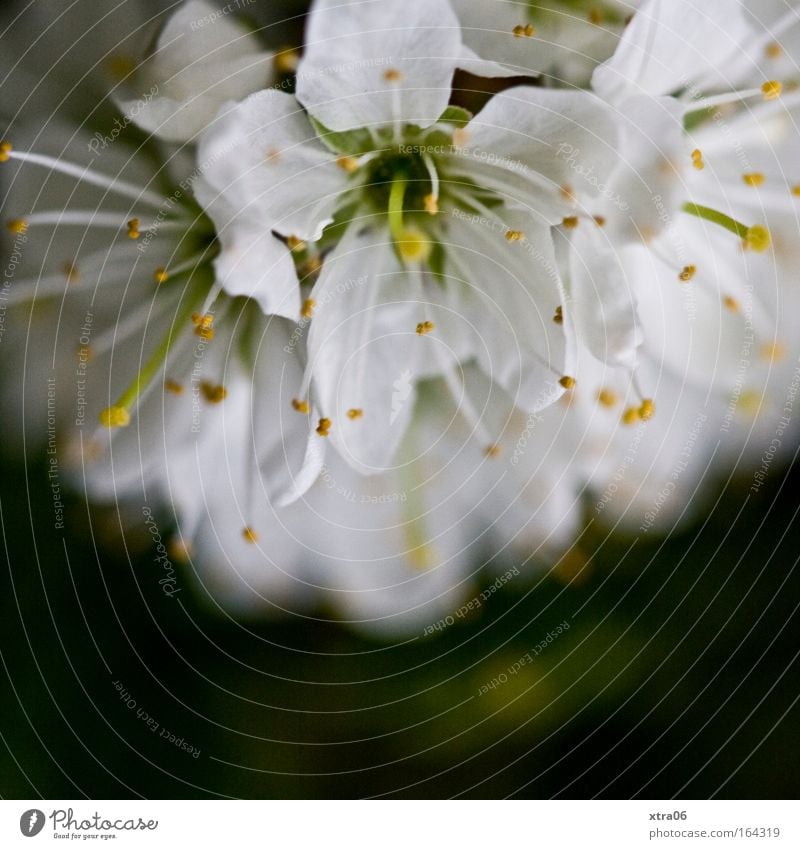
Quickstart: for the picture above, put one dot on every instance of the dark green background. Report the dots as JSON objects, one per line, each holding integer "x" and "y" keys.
{"x": 679, "y": 676}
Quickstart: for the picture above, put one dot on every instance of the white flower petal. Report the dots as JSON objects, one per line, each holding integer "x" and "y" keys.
{"x": 511, "y": 291}
{"x": 364, "y": 351}
{"x": 370, "y": 63}
{"x": 672, "y": 45}
{"x": 530, "y": 143}
{"x": 602, "y": 302}
{"x": 264, "y": 157}
{"x": 202, "y": 59}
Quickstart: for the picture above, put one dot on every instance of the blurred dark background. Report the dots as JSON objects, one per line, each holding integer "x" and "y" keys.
{"x": 677, "y": 677}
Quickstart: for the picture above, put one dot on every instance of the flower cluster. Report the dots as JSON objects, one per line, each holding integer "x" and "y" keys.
{"x": 450, "y": 282}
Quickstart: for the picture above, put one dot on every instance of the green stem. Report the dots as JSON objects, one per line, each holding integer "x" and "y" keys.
{"x": 716, "y": 217}
{"x": 151, "y": 367}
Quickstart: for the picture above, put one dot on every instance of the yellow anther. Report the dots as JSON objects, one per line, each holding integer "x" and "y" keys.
{"x": 425, "y": 327}
{"x": 179, "y": 549}
{"x": 5, "y": 151}
{"x": 595, "y": 16}
{"x": 204, "y": 326}
{"x": 631, "y": 416}
{"x": 249, "y": 535}
{"x": 697, "y": 159}
{"x": 115, "y": 417}
{"x": 607, "y": 398}
{"x": 774, "y": 50}
{"x": 161, "y": 275}
{"x": 772, "y": 89}
{"x": 600, "y": 220}
{"x": 296, "y": 244}
{"x": 347, "y": 163}
{"x": 355, "y": 413}
{"x": 173, "y": 386}
{"x": 324, "y": 427}
{"x": 758, "y": 238}
{"x": 286, "y": 61}
{"x": 18, "y": 226}
{"x": 754, "y": 179}
{"x": 567, "y": 382}
{"x": 524, "y": 31}
{"x": 431, "y": 204}
{"x": 310, "y": 267}
{"x": 567, "y": 192}
{"x": 133, "y": 228}
{"x": 307, "y": 309}
{"x": 570, "y": 222}
{"x": 494, "y": 450}
{"x": 413, "y": 245}
{"x": 558, "y": 318}
{"x": 647, "y": 410}
{"x": 514, "y": 235}
{"x": 393, "y": 75}
{"x": 214, "y": 393}
{"x": 85, "y": 353}
{"x": 71, "y": 272}
{"x": 687, "y": 273}
{"x": 731, "y": 303}
{"x": 750, "y": 402}
{"x": 460, "y": 137}
{"x": 300, "y": 406}
{"x": 796, "y": 190}
{"x": 773, "y": 351}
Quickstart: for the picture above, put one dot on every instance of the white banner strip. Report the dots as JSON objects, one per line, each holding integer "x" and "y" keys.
{"x": 402, "y": 824}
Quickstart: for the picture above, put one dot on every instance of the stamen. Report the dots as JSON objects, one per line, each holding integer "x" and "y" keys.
{"x": 607, "y": 398}
{"x": 115, "y": 416}
{"x": 160, "y": 274}
{"x": 756, "y": 237}
{"x": 249, "y": 535}
{"x": 773, "y": 50}
{"x": 631, "y": 416}
{"x": 307, "y": 310}
{"x": 687, "y": 273}
{"x": 355, "y": 413}
{"x": 754, "y": 179}
{"x": 514, "y": 235}
{"x": 71, "y": 272}
{"x": 731, "y": 303}
{"x": 173, "y": 386}
{"x": 599, "y": 220}
{"x": 203, "y": 325}
{"x": 300, "y": 406}
{"x": 425, "y": 327}
{"x": 494, "y": 450}
{"x": 287, "y": 61}
{"x": 84, "y": 175}
{"x": 324, "y": 427}
{"x": 5, "y": 151}
{"x": 697, "y": 159}
{"x": 393, "y": 75}
{"x": 214, "y": 393}
{"x": 17, "y": 226}
{"x": 295, "y": 244}
{"x": 133, "y": 228}
{"x": 567, "y": 382}
{"x": 524, "y": 31}
{"x": 558, "y": 318}
{"x": 647, "y": 410}
{"x": 771, "y": 89}
{"x": 570, "y": 222}
{"x": 432, "y": 200}
{"x": 118, "y": 415}
{"x": 347, "y": 163}
{"x": 773, "y": 351}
